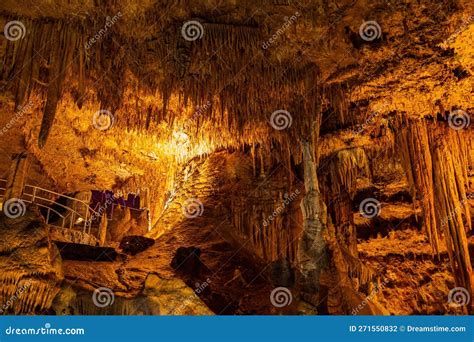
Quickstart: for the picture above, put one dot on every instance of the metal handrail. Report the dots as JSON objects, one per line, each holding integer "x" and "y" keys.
{"x": 72, "y": 214}
{"x": 49, "y": 210}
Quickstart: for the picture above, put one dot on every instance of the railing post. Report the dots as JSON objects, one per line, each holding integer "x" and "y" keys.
{"x": 87, "y": 215}
{"x": 103, "y": 229}
{"x": 34, "y": 194}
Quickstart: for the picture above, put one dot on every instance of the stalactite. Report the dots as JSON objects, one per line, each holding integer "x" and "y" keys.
{"x": 451, "y": 206}
{"x": 437, "y": 173}
{"x": 58, "y": 63}
{"x": 24, "y": 295}
{"x": 265, "y": 223}
{"x": 416, "y": 159}
{"x": 339, "y": 175}
{"x": 229, "y": 94}
{"x": 337, "y": 98}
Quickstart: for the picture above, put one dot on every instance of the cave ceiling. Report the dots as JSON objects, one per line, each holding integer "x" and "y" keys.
{"x": 173, "y": 99}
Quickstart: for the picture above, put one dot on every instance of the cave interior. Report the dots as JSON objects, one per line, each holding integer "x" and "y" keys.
{"x": 223, "y": 157}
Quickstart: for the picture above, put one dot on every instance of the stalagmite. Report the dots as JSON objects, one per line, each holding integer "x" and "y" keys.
{"x": 312, "y": 256}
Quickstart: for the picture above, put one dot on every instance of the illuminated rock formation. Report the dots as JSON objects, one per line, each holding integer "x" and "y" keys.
{"x": 322, "y": 147}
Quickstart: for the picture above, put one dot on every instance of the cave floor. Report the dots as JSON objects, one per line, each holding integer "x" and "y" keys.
{"x": 413, "y": 281}
{"x": 237, "y": 284}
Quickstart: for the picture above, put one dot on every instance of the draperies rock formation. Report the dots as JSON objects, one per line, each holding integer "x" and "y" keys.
{"x": 252, "y": 141}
